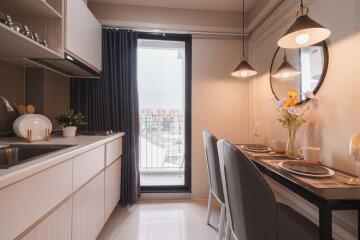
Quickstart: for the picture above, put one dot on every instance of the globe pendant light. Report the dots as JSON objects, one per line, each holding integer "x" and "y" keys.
{"x": 244, "y": 69}
{"x": 286, "y": 70}
{"x": 304, "y": 32}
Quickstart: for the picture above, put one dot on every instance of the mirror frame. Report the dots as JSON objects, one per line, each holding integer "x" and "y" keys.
{"x": 322, "y": 77}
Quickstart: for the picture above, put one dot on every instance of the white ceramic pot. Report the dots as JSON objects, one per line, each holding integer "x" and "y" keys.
{"x": 69, "y": 131}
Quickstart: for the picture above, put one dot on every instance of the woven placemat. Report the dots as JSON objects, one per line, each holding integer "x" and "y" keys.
{"x": 335, "y": 181}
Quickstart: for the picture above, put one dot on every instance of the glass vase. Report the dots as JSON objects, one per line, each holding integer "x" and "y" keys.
{"x": 292, "y": 146}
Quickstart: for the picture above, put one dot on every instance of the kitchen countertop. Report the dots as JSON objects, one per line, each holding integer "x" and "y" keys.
{"x": 24, "y": 170}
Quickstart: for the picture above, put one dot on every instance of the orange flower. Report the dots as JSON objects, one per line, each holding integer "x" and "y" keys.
{"x": 292, "y": 93}
{"x": 292, "y": 100}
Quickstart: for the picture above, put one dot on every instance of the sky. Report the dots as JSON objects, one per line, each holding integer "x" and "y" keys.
{"x": 161, "y": 77}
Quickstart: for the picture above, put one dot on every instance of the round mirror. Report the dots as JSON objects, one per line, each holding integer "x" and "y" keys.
{"x": 301, "y": 69}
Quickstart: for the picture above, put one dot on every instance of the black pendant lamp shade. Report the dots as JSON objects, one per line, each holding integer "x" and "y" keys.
{"x": 286, "y": 70}
{"x": 244, "y": 69}
{"x": 304, "y": 32}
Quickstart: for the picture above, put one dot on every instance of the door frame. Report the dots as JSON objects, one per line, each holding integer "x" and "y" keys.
{"x": 187, "y": 39}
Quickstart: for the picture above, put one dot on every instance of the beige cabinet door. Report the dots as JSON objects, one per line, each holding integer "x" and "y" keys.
{"x": 57, "y": 226}
{"x": 25, "y": 202}
{"x": 83, "y": 34}
{"x": 88, "y": 210}
{"x": 112, "y": 187}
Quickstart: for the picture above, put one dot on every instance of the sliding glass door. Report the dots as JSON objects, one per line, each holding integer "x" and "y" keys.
{"x": 164, "y": 84}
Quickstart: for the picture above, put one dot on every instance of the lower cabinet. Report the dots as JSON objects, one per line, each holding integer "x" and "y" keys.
{"x": 112, "y": 187}
{"x": 69, "y": 201}
{"x": 88, "y": 210}
{"x": 57, "y": 226}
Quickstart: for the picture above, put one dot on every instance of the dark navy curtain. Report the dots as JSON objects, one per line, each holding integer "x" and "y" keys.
{"x": 111, "y": 102}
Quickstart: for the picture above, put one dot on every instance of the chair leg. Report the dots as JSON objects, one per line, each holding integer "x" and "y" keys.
{"x": 222, "y": 222}
{"x": 209, "y": 207}
{"x": 228, "y": 231}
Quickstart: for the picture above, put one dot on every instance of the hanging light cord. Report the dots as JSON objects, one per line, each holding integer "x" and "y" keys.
{"x": 243, "y": 25}
{"x": 285, "y": 57}
{"x": 303, "y": 10}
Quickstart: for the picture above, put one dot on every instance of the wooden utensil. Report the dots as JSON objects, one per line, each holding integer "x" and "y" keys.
{"x": 17, "y": 108}
{"x": 22, "y": 109}
{"x": 30, "y": 109}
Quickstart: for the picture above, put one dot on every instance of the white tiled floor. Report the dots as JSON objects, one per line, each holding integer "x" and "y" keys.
{"x": 171, "y": 220}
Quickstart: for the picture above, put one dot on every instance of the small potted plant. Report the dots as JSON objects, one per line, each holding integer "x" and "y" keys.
{"x": 69, "y": 121}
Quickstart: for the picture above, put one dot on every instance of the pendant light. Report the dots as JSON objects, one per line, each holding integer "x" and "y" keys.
{"x": 244, "y": 69}
{"x": 286, "y": 70}
{"x": 304, "y": 32}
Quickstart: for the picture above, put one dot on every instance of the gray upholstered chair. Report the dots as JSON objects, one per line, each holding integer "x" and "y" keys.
{"x": 216, "y": 189}
{"x": 251, "y": 209}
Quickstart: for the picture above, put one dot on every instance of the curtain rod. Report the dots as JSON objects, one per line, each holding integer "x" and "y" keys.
{"x": 164, "y": 31}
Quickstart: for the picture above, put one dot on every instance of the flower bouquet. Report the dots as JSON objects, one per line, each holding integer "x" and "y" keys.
{"x": 293, "y": 117}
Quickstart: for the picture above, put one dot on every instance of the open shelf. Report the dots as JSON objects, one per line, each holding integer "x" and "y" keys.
{"x": 17, "y": 46}
{"x": 40, "y": 8}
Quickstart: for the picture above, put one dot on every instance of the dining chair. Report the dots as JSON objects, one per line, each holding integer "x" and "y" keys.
{"x": 251, "y": 209}
{"x": 216, "y": 189}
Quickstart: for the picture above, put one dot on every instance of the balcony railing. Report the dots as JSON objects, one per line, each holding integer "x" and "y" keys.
{"x": 162, "y": 142}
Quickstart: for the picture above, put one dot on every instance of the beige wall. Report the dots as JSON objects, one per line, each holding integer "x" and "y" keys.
{"x": 219, "y": 102}
{"x": 12, "y": 82}
{"x": 337, "y": 117}
{"x": 56, "y": 94}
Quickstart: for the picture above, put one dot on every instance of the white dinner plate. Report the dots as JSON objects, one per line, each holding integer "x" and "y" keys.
{"x": 331, "y": 172}
{"x": 249, "y": 149}
{"x": 37, "y": 123}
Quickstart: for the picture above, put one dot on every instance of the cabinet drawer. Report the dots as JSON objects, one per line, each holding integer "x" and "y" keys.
{"x": 113, "y": 151}
{"x": 87, "y": 165}
{"x": 25, "y": 202}
{"x": 112, "y": 187}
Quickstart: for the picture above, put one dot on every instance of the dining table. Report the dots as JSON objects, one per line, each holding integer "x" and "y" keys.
{"x": 326, "y": 198}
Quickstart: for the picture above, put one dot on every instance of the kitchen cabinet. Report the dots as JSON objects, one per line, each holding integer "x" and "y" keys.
{"x": 83, "y": 34}
{"x": 70, "y": 29}
{"x": 25, "y": 202}
{"x": 112, "y": 187}
{"x": 69, "y": 200}
{"x": 88, "y": 210}
{"x": 57, "y": 226}
{"x": 44, "y": 17}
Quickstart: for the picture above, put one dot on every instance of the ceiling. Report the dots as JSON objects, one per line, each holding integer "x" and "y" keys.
{"x": 219, "y": 5}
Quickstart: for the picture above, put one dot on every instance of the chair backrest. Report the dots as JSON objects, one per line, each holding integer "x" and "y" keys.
{"x": 212, "y": 159}
{"x": 250, "y": 202}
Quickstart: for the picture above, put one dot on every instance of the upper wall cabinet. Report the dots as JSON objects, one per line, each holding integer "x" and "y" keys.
{"x": 23, "y": 22}
{"x": 83, "y": 34}
{"x": 72, "y": 36}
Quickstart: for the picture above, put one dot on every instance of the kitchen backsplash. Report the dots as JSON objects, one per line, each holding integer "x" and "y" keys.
{"x": 42, "y": 88}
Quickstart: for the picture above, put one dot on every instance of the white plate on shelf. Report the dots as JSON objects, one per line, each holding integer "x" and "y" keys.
{"x": 329, "y": 174}
{"x": 37, "y": 123}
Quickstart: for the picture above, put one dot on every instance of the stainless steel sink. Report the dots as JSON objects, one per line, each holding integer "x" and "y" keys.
{"x": 14, "y": 154}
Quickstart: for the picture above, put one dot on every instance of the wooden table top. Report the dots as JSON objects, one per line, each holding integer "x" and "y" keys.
{"x": 337, "y": 198}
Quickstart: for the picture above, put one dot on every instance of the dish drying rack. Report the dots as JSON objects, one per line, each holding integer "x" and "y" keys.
{"x": 29, "y": 136}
